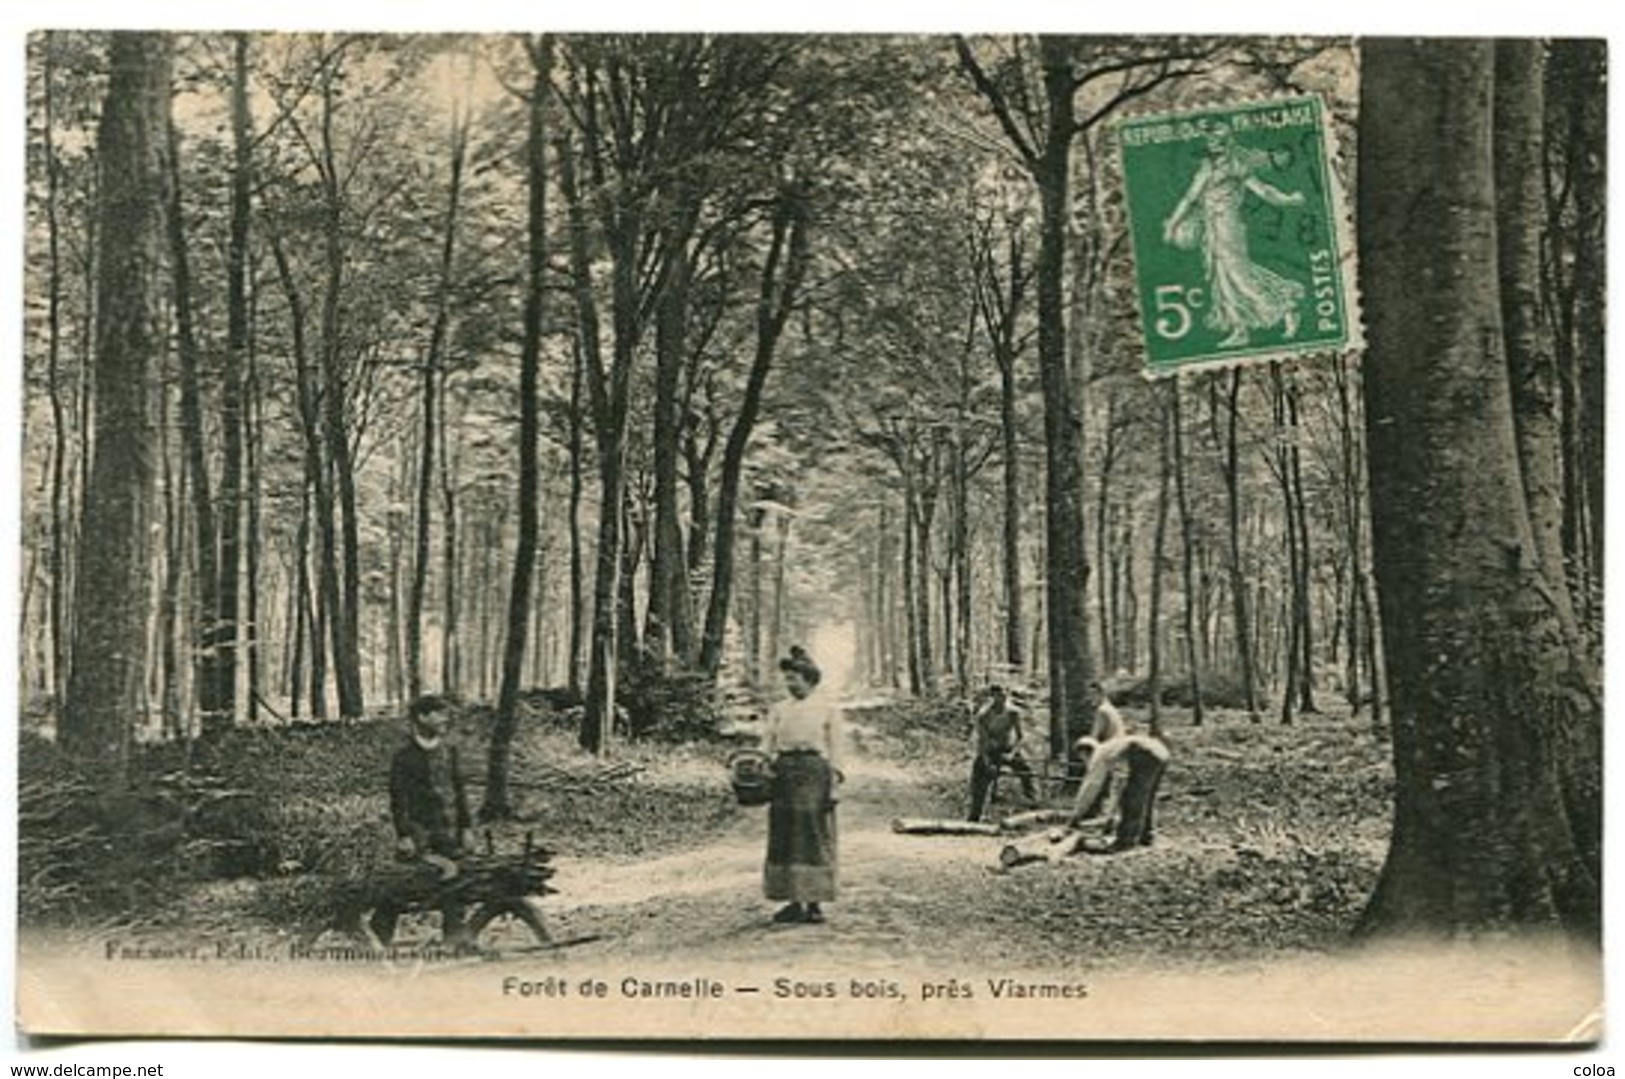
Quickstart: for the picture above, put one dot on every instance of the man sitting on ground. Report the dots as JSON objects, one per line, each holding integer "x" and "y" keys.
{"x": 428, "y": 803}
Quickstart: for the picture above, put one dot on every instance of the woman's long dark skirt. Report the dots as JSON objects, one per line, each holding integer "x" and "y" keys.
{"x": 801, "y": 830}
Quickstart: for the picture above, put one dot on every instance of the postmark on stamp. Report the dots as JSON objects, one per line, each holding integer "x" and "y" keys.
{"x": 1240, "y": 253}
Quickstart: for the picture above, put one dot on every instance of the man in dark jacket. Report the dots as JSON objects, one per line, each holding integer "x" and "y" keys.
{"x": 428, "y": 803}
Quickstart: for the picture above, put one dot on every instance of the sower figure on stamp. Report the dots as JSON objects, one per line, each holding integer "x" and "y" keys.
{"x": 998, "y": 734}
{"x": 428, "y": 803}
{"x": 1243, "y": 295}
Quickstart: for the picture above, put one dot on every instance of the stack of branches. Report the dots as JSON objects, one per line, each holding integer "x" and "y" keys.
{"x": 486, "y": 883}
{"x": 595, "y": 778}
{"x": 489, "y": 877}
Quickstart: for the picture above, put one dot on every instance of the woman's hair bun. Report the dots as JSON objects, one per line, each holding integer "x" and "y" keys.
{"x": 799, "y": 661}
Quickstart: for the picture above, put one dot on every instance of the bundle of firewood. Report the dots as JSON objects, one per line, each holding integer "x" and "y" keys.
{"x": 594, "y": 778}
{"x": 490, "y": 877}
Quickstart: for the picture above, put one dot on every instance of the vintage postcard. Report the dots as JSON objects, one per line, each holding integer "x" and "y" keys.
{"x": 670, "y": 536}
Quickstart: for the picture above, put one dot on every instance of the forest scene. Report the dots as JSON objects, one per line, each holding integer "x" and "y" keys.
{"x": 566, "y": 388}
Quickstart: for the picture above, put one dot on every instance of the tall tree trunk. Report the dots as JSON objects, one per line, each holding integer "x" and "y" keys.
{"x": 1158, "y": 560}
{"x": 578, "y": 572}
{"x": 394, "y": 631}
{"x": 1291, "y": 626}
{"x": 886, "y": 659}
{"x": 634, "y": 533}
{"x": 1238, "y": 579}
{"x": 911, "y": 585}
{"x": 321, "y": 604}
{"x": 253, "y": 426}
{"x": 698, "y": 459}
{"x": 1372, "y": 642}
{"x": 417, "y": 590}
{"x": 609, "y": 392}
{"x": 111, "y": 595}
{"x": 431, "y": 381}
{"x": 299, "y": 605}
{"x": 315, "y": 477}
{"x": 960, "y": 561}
{"x": 755, "y": 521}
{"x": 781, "y": 545}
{"x": 602, "y": 648}
{"x": 1349, "y": 465}
{"x": 1301, "y": 590}
{"x": 1014, "y": 617}
{"x": 1066, "y": 579}
{"x": 172, "y": 483}
{"x": 497, "y": 805}
{"x": 590, "y": 375}
{"x": 1577, "y": 102}
{"x": 1130, "y": 635}
{"x": 229, "y": 518}
{"x": 1496, "y": 729}
{"x": 1109, "y": 657}
{"x": 669, "y": 616}
{"x": 924, "y": 520}
{"x": 57, "y": 565}
{"x": 214, "y": 704}
{"x": 451, "y": 606}
{"x": 344, "y": 588}
{"x": 609, "y": 388}
{"x": 782, "y": 273}
{"x": 1000, "y": 305}
{"x": 1519, "y": 118}
{"x": 1187, "y": 555}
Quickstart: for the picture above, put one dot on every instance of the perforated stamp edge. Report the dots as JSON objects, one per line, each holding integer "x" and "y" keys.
{"x": 1339, "y": 175}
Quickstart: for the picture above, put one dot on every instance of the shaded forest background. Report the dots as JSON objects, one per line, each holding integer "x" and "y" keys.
{"x": 613, "y": 365}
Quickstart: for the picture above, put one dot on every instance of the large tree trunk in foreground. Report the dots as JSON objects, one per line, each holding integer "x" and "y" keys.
{"x": 111, "y": 578}
{"x": 1496, "y": 731}
{"x": 1531, "y": 362}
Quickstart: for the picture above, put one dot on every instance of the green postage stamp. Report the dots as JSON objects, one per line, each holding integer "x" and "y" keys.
{"x": 1240, "y": 249}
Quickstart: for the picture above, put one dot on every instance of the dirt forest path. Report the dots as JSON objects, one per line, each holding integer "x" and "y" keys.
{"x": 707, "y": 901}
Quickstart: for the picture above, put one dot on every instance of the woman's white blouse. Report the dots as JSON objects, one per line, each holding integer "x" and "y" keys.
{"x": 804, "y": 724}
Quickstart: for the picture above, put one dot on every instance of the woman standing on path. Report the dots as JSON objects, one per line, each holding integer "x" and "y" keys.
{"x": 803, "y": 735}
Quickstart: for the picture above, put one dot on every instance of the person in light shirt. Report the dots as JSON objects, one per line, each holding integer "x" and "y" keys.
{"x": 803, "y": 739}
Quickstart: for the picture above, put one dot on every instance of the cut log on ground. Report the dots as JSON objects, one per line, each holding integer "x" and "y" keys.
{"x": 1119, "y": 828}
{"x": 1052, "y": 846}
{"x": 1034, "y": 818}
{"x": 935, "y": 826}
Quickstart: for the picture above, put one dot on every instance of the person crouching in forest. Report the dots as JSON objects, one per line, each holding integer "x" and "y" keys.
{"x": 997, "y": 746}
{"x": 803, "y": 737}
{"x": 1105, "y": 724}
{"x": 428, "y": 803}
{"x": 1128, "y": 817}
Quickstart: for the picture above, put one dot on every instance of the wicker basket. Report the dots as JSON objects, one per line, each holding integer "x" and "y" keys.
{"x": 750, "y": 771}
